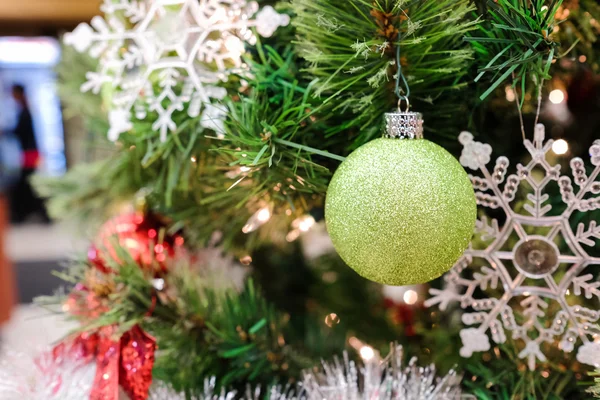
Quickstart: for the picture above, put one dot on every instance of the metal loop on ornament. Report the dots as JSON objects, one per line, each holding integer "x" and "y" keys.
{"x": 403, "y": 125}
{"x": 400, "y": 100}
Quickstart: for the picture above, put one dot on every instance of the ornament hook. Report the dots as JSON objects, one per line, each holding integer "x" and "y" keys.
{"x": 400, "y": 76}
{"x": 407, "y": 102}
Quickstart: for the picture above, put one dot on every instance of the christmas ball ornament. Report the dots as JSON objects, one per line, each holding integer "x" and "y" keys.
{"x": 400, "y": 210}
{"x": 143, "y": 235}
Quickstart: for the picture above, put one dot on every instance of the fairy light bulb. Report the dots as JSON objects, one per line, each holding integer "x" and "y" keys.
{"x": 264, "y": 215}
{"x": 305, "y": 223}
{"x": 246, "y": 260}
{"x": 557, "y": 96}
{"x": 300, "y": 225}
{"x": 367, "y": 353}
{"x": 510, "y": 94}
{"x": 257, "y": 220}
{"x": 292, "y": 235}
{"x": 332, "y": 319}
{"x": 410, "y": 297}
{"x": 560, "y": 147}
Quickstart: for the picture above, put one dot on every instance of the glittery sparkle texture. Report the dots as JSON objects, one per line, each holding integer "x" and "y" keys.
{"x": 404, "y": 125}
{"x": 400, "y": 212}
{"x": 137, "y": 361}
{"x": 185, "y": 46}
{"x": 386, "y": 380}
{"x": 531, "y": 274}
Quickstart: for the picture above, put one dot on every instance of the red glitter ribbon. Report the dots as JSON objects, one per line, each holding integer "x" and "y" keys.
{"x": 106, "y": 381}
{"x": 126, "y": 361}
{"x": 137, "y": 360}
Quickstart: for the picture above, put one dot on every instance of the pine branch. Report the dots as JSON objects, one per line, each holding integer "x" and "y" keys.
{"x": 202, "y": 329}
{"x": 515, "y": 39}
{"x": 351, "y": 45}
{"x": 500, "y": 379}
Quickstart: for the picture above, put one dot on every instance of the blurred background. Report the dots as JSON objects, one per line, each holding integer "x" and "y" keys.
{"x": 34, "y": 136}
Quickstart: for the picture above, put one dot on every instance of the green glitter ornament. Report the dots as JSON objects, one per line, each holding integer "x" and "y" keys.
{"x": 400, "y": 210}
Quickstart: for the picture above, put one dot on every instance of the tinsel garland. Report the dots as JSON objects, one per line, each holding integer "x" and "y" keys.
{"x": 43, "y": 378}
{"x": 385, "y": 380}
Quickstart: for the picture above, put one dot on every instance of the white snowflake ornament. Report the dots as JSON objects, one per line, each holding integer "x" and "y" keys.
{"x": 528, "y": 276}
{"x": 165, "y": 55}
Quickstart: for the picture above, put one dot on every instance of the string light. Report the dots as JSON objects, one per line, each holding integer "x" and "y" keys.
{"x": 257, "y": 220}
{"x": 560, "y": 147}
{"x": 300, "y": 225}
{"x": 292, "y": 235}
{"x": 332, "y": 319}
{"x": 246, "y": 260}
{"x": 367, "y": 353}
{"x": 510, "y": 94}
{"x": 306, "y": 223}
{"x": 410, "y": 297}
{"x": 557, "y": 96}
{"x": 158, "y": 284}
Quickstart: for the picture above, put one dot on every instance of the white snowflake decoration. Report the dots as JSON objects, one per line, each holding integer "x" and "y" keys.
{"x": 161, "y": 55}
{"x": 542, "y": 275}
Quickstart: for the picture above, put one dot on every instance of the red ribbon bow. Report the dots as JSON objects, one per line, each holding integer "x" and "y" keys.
{"x": 126, "y": 361}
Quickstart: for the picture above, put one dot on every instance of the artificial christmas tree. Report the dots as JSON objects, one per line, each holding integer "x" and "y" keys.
{"x": 240, "y": 159}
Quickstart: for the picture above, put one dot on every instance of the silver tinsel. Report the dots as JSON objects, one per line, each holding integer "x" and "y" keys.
{"x": 386, "y": 379}
{"x": 380, "y": 380}
{"x": 161, "y": 392}
{"x": 40, "y": 378}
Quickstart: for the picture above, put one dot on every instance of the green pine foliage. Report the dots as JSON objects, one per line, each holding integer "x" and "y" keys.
{"x": 91, "y": 192}
{"x": 579, "y": 30}
{"x": 71, "y": 73}
{"x": 317, "y": 90}
{"x": 595, "y": 389}
{"x": 515, "y": 42}
{"x": 203, "y": 326}
{"x": 350, "y": 46}
{"x": 500, "y": 377}
{"x": 305, "y": 106}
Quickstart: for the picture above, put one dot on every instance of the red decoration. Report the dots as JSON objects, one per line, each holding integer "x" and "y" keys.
{"x": 137, "y": 360}
{"x": 142, "y": 235}
{"x": 402, "y": 314}
{"x": 106, "y": 381}
{"x": 126, "y": 360}
{"x": 96, "y": 260}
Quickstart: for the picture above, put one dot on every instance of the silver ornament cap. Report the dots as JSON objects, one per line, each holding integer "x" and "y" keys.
{"x": 403, "y": 125}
